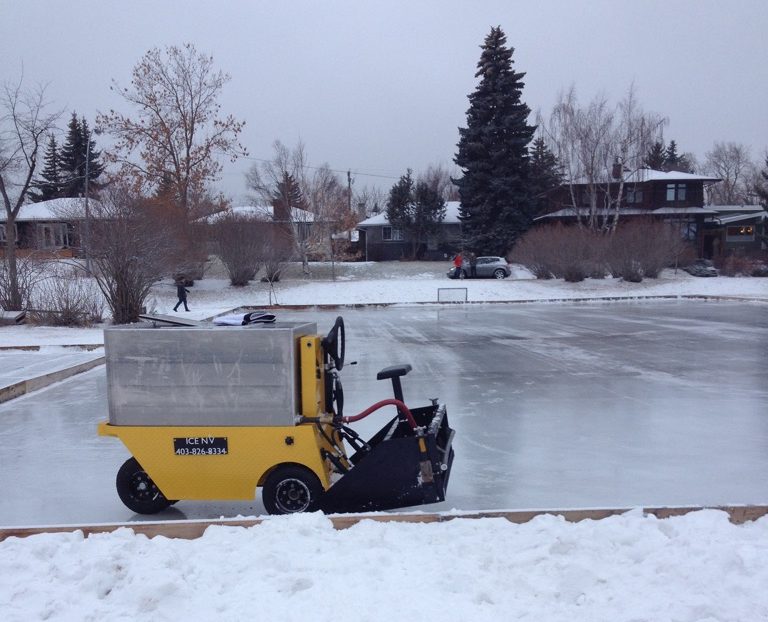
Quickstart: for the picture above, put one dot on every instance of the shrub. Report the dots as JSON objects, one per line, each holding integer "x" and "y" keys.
{"x": 643, "y": 248}
{"x": 637, "y": 249}
{"x": 740, "y": 265}
{"x": 570, "y": 253}
{"x": 28, "y": 271}
{"x": 67, "y": 299}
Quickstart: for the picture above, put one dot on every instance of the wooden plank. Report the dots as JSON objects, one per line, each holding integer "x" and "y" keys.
{"x": 191, "y": 529}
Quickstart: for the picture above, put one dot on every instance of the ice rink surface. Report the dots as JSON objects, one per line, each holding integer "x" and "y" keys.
{"x": 554, "y": 406}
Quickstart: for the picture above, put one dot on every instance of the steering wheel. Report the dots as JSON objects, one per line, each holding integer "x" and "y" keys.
{"x": 334, "y": 344}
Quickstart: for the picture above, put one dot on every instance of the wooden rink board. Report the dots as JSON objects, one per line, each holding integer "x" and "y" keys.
{"x": 191, "y": 529}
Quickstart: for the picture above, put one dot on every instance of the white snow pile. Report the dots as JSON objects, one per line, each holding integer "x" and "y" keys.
{"x": 630, "y": 567}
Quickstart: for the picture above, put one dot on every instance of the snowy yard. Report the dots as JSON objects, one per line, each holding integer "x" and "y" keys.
{"x": 697, "y": 567}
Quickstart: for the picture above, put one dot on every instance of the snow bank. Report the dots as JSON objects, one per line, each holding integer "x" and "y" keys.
{"x": 630, "y": 567}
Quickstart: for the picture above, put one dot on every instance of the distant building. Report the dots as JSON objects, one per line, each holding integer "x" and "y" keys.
{"x": 380, "y": 241}
{"x": 48, "y": 228}
{"x": 674, "y": 197}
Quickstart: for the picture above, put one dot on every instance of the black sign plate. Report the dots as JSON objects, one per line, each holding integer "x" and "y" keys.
{"x": 201, "y": 446}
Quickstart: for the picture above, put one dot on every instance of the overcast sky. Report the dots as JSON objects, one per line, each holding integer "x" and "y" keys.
{"x": 377, "y": 87}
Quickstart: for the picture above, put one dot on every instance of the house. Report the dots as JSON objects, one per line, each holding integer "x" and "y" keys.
{"x": 380, "y": 241}
{"x": 48, "y": 228}
{"x": 286, "y": 230}
{"x": 301, "y": 220}
{"x": 673, "y": 197}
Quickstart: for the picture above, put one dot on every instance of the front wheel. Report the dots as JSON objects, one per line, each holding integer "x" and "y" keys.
{"x": 499, "y": 274}
{"x": 290, "y": 489}
{"x": 137, "y": 490}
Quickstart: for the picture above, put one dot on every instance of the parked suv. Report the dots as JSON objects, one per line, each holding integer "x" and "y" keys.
{"x": 487, "y": 267}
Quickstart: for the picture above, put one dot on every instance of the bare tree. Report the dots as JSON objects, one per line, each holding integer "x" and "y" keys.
{"x": 280, "y": 183}
{"x": 732, "y": 163}
{"x": 329, "y": 204}
{"x": 130, "y": 250}
{"x": 24, "y": 124}
{"x": 177, "y": 132}
{"x": 370, "y": 200}
{"x": 598, "y": 147}
{"x": 438, "y": 178}
{"x": 760, "y": 185}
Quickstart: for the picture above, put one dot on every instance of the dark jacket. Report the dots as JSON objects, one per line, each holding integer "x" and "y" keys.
{"x": 181, "y": 291}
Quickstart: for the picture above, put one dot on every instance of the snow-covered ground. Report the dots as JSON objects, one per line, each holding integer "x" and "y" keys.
{"x": 391, "y": 283}
{"x": 696, "y": 567}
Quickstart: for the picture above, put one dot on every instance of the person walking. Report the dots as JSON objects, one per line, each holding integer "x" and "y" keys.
{"x": 181, "y": 293}
{"x": 473, "y": 265}
{"x": 458, "y": 260}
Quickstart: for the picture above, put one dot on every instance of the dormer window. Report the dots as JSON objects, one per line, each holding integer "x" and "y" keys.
{"x": 676, "y": 193}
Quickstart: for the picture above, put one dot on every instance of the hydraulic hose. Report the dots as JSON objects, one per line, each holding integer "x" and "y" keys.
{"x": 402, "y": 409}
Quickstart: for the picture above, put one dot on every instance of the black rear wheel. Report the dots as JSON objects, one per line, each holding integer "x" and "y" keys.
{"x": 290, "y": 489}
{"x": 499, "y": 274}
{"x": 137, "y": 490}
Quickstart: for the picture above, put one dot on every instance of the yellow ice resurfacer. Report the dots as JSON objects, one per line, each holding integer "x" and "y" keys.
{"x": 213, "y": 412}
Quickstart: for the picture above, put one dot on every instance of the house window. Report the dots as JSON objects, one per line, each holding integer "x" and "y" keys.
{"x": 3, "y": 237}
{"x": 634, "y": 196}
{"x": 740, "y": 233}
{"x": 675, "y": 192}
{"x": 390, "y": 234}
{"x": 52, "y": 235}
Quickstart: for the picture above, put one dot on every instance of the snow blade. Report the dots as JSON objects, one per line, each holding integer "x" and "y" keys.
{"x": 400, "y": 469}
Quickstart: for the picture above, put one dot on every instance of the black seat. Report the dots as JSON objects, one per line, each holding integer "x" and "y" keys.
{"x": 394, "y": 373}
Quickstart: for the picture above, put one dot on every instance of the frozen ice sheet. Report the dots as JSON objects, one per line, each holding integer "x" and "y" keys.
{"x": 553, "y": 405}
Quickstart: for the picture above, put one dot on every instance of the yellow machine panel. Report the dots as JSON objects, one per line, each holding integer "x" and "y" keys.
{"x": 195, "y": 463}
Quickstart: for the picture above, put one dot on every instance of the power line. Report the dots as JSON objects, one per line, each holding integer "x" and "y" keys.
{"x": 317, "y": 168}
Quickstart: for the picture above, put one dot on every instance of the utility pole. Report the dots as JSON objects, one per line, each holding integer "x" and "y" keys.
{"x": 87, "y": 211}
{"x": 349, "y": 191}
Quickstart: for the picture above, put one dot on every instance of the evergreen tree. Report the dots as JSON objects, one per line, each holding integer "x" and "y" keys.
{"x": 287, "y": 196}
{"x": 545, "y": 174}
{"x": 496, "y": 203}
{"x": 95, "y": 166}
{"x": 400, "y": 202}
{"x": 72, "y": 159}
{"x": 674, "y": 161}
{"x": 428, "y": 213}
{"x": 656, "y": 157}
{"x": 416, "y": 209}
{"x": 49, "y": 186}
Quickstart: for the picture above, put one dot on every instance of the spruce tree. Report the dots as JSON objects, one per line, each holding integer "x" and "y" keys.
{"x": 671, "y": 156}
{"x": 400, "y": 202}
{"x": 656, "y": 157}
{"x": 417, "y": 209}
{"x": 496, "y": 203}
{"x": 545, "y": 174}
{"x": 287, "y": 195}
{"x": 49, "y": 186}
{"x": 95, "y": 166}
{"x": 72, "y": 159}
{"x": 428, "y": 213}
